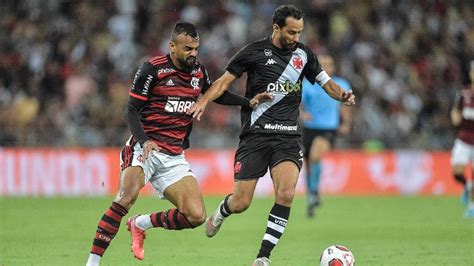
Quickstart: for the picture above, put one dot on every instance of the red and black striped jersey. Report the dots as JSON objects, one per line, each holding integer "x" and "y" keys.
{"x": 168, "y": 93}
{"x": 465, "y": 103}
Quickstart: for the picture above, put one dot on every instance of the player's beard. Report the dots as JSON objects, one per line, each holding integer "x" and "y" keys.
{"x": 188, "y": 63}
{"x": 286, "y": 45}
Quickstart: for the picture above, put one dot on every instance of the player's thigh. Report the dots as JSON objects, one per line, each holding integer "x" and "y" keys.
{"x": 251, "y": 159}
{"x": 319, "y": 147}
{"x": 131, "y": 182}
{"x": 185, "y": 194}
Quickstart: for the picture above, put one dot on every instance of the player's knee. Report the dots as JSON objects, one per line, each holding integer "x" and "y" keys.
{"x": 285, "y": 195}
{"x": 195, "y": 217}
{"x": 458, "y": 169}
{"x": 240, "y": 205}
{"x": 126, "y": 198}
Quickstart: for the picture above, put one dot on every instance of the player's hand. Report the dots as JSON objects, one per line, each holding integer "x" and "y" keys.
{"x": 260, "y": 98}
{"x": 197, "y": 109}
{"x": 348, "y": 98}
{"x": 148, "y": 147}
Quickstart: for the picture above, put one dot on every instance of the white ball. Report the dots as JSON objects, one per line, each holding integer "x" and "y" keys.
{"x": 337, "y": 255}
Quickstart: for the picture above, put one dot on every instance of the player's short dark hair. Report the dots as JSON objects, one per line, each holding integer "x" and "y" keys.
{"x": 284, "y": 11}
{"x": 185, "y": 28}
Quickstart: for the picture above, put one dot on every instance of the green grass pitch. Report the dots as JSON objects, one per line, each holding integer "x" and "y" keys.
{"x": 378, "y": 230}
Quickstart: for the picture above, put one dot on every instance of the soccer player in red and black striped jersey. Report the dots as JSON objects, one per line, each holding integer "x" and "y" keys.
{"x": 163, "y": 90}
{"x": 462, "y": 115}
{"x": 271, "y": 135}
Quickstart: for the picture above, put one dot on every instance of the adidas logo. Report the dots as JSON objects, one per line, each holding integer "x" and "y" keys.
{"x": 170, "y": 83}
{"x": 270, "y": 62}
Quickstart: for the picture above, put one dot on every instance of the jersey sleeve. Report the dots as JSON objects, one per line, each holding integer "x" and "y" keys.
{"x": 313, "y": 70}
{"x": 144, "y": 80}
{"x": 206, "y": 81}
{"x": 241, "y": 61}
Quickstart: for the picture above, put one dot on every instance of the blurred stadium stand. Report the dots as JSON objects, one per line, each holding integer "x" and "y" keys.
{"x": 66, "y": 66}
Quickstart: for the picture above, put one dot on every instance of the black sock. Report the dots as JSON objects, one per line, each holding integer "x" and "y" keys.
{"x": 276, "y": 225}
{"x": 460, "y": 178}
{"x": 225, "y": 210}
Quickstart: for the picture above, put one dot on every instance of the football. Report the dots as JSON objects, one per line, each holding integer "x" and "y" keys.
{"x": 337, "y": 255}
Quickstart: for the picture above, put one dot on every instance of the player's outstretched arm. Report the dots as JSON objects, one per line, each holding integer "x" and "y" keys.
{"x": 336, "y": 92}
{"x": 214, "y": 92}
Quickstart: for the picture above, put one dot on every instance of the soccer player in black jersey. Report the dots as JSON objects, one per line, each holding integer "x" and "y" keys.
{"x": 270, "y": 136}
{"x": 163, "y": 90}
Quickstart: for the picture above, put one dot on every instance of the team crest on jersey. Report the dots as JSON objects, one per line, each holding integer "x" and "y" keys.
{"x": 297, "y": 62}
{"x": 267, "y": 52}
{"x": 237, "y": 167}
{"x": 195, "y": 83}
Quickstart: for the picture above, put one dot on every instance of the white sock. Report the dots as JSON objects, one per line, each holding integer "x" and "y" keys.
{"x": 94, "y": 260}
{"x": 144, "y": 222}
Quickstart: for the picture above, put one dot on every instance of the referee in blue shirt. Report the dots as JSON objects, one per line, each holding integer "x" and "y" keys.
{"x": 323, "y": 117}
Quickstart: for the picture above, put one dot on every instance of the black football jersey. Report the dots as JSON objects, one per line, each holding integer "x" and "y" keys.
{"x": 279, "y": 72}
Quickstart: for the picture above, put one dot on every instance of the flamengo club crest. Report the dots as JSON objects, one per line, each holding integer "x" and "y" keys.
{"x": 195, "y": 83}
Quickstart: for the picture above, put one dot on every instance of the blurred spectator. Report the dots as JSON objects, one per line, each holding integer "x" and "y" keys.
{"x": 66, "y": 66}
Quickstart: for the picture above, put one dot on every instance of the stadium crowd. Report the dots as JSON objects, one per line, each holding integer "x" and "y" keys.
{"x": 66, "y": 66}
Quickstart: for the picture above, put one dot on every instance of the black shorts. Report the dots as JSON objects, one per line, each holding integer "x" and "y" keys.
{"x": 310, "y": 134}
{"x": 258, "y": 152}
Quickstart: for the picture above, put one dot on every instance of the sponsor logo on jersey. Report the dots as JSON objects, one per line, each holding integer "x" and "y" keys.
{"x": 195, "y": 83}
{"x": 170, "y": 83}
{"x": 280, "y": 127}
{"x": 165, "y": 70}
{"x": 135, "y": 78}
{"x": 175, "y": 105}
{"x": 146, "y": 87}
{"x": 284, "y": 88}
{"x": 270, "y": 62}
{"x": 267, "y": 52}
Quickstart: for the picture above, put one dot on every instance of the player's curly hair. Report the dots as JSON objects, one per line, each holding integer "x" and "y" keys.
{"x": 284, "y": 11}
{"x": 185, "y": 28}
